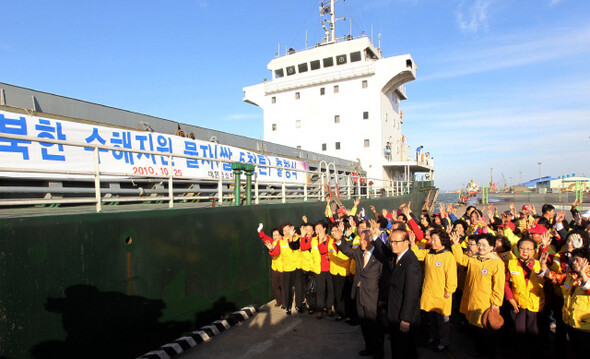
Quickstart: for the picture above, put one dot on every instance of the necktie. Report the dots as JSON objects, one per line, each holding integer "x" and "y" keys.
{"x": 366, "y": 259}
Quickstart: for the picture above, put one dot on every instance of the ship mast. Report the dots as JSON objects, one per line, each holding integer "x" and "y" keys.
{"x": 330, "y": 31}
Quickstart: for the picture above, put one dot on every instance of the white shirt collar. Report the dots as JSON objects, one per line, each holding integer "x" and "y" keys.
{"x": 401, "y": 255}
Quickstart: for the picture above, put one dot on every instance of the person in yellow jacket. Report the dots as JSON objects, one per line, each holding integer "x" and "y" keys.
{"x": 484, "y": 287}
{"x": 306, "y": 261}
{"x": 524, "y": 291}
{"x": 291, "y": 258}
{"x": 339, "y": 269}
{"x": 320, "y": 245}
{"x": 440, "y": 282}
{"x": 575, "y": 285}
{"x": 274, "y": 250}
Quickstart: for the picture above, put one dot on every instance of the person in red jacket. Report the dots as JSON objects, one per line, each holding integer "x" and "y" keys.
{"x": 325, "y": 288}
{"x": 274, "y": 250}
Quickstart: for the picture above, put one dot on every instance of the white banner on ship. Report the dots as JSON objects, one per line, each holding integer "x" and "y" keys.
{"x": 37, "y": 155}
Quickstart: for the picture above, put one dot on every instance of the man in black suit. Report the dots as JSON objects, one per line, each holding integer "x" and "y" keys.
{"x": 365, "y": 288}
{"x": 405, "y": 285}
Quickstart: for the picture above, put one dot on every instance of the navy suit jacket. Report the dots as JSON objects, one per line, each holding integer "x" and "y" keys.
{"x": 405, "y": 286}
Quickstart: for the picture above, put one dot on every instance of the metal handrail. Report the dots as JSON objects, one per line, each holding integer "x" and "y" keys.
{"x": 287, "y": 189}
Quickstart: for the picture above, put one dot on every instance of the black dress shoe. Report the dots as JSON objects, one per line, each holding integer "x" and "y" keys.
{"x": 300, "y": 310}
{"x": 277, "y": 305}
{"x": 288, "y": 312}
{"x": 440, "y": 348}
{"x": 365, "y": 353}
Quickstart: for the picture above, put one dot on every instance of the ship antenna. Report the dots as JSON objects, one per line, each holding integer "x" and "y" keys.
{"x": 330, "y": 32}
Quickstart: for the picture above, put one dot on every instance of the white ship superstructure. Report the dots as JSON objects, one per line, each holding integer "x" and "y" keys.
{"x": 342, "y": 98}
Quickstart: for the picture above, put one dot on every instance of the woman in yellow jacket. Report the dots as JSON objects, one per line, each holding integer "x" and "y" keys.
{"x": 484, "y": 286}
{"x": 291, "y": 258}
{"x": 575, "y": 285}
{"x": 440, "y": 282}
{"x": 320, "y": 245}
{"x": 274, "y": 250}
{"x": 339, "y": 269}
{"x": 525, "y": 291}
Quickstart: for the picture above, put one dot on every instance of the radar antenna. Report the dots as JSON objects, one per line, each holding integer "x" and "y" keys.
{"x": 330, "y": 31}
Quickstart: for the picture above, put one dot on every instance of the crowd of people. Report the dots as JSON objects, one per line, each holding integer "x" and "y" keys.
{"x": 507, "y": 278}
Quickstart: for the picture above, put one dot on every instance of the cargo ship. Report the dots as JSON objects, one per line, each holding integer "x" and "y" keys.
{"x": 109, "y": 245}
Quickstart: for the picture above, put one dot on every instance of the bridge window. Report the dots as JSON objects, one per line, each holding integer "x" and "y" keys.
{"x": 279, "y": 73}
{"x": 302, "y": 67}
{"x": 290, "y": 70}
{"x": 328, "y": 61}
{"x": 341, "y": 59}
{"x": 315, "y": 64}
{"x": 355, "y": 56}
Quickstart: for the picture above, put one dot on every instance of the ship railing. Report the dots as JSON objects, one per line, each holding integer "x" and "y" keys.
{"x": 100, "y": 187}
{"x": 319, "y": 44}
{"x": 296, "y": 82}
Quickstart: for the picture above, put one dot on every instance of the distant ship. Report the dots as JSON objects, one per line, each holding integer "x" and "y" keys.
{"x": 342, "y": 98}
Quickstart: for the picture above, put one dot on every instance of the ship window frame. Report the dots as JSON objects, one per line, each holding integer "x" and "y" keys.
{"x": 297, "y": 95}
{"x": 322, "y": 91}
{"x": 367, "y": 143}
{"x": 336, "y": 118}
{"x": 324, "y": 146}
{"x": 365, "y": 115}
{"x": 279, "y": 73}
{"x": 302, "y": 67}
{"x": 338, "y": 59}
{"x": 336, "y": 89}
{"x": 274, "y": 127}
{"x": 337, "y": 145}
{"x": 355, "y": 56}
{"x": 292, "y": 72}
{"x": 328, "y": 62}
{"x": 365, "y": 84}
{"x": 273, "y": 99}
{"x": 315, "y": 65}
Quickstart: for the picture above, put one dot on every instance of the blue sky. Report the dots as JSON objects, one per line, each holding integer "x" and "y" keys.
{"x": 501, "y": 84}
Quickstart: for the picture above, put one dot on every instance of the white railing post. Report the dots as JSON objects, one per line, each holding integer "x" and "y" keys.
{"x": 170, "y": 184}
{"x": 284, "y": 191}
{"x": 323, "y": 185}
{"x": 220, "y": 189}
{"x": 305, "y": 187}
{"x": 348, "y": 187}
{"x": 97, "y": 180}
{"x": 256, "y": 195}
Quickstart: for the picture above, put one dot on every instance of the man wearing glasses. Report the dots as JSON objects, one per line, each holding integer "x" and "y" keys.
{"x": 404, "y": 288}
